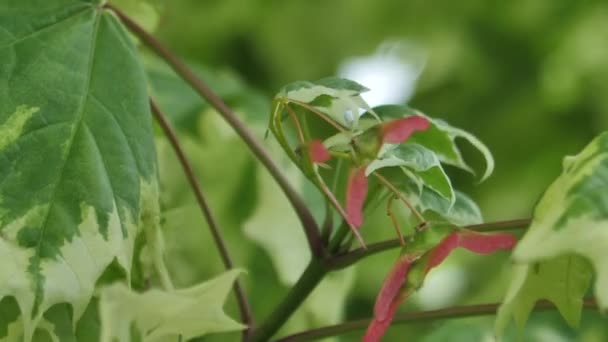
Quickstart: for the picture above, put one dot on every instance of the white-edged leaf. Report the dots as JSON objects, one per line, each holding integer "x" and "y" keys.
{"x": 455, "y": 133}
{"x": 338, "y": 98}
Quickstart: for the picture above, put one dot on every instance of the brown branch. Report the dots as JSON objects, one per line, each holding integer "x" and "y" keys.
{"x": 347, "y": 259}
{"x": 409, "y": 317}
{"x": 309, "y": 224}
{"x": 245, "y": 309}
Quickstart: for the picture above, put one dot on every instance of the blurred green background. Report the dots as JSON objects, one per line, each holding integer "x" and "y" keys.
{"x": 529, "y": 78}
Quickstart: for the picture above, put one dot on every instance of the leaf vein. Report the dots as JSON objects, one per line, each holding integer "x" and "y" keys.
{"x": 108, "y": 178}
{"x": 122, "y": 130}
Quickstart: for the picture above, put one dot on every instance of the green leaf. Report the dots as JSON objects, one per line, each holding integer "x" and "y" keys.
{"x": 423, "y": 162}
{"x": 562, "y": 280}
{"x": 440, "y": 138}
{"x": 338, "y": 98}
{"x": 77, "y": 161}
{"x": 166, "y": 315}
{"x": 462, "y": 212}
{"x": 568, "y": 231}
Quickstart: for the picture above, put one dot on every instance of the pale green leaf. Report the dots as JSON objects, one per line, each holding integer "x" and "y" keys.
{"x": 563, "y": 280}
{"x": 572, "y": 216}
{"x": 77, "y": 162}
{"x": 166, "y": 315}
{"x": 342, "y": 83}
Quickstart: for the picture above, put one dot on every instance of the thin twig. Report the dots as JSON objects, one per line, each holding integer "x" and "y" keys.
{"x": 245, "y": 309}
{"x": 410, "y": 317}
{"x": 328, "y": 222}
{"x": 389, "y": 212}
{"x": 347, "y": 259}
{"x": 330, "y": 196}
{"x": 319, "y": 114}
{"x": 401, "y": 197}
{"x": 296, "y": 122}
{"x": 309, "y": 224}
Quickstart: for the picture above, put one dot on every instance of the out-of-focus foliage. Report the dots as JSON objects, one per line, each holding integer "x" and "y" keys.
{"x": 528, "y": 78}
{"x": 157, "y": 315}
{"x": 258, "y": 221}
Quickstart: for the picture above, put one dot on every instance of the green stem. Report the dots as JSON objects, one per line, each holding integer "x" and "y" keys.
{"x": 336, "y": 241}
{"x": 418, "y": 316}
{"x": 312, "y": 276}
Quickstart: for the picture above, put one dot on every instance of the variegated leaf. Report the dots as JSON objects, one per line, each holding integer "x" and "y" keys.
{"x": 77, "y": 161}
{"x": 338, "y": 98}
{"x": 571, "y": 219}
